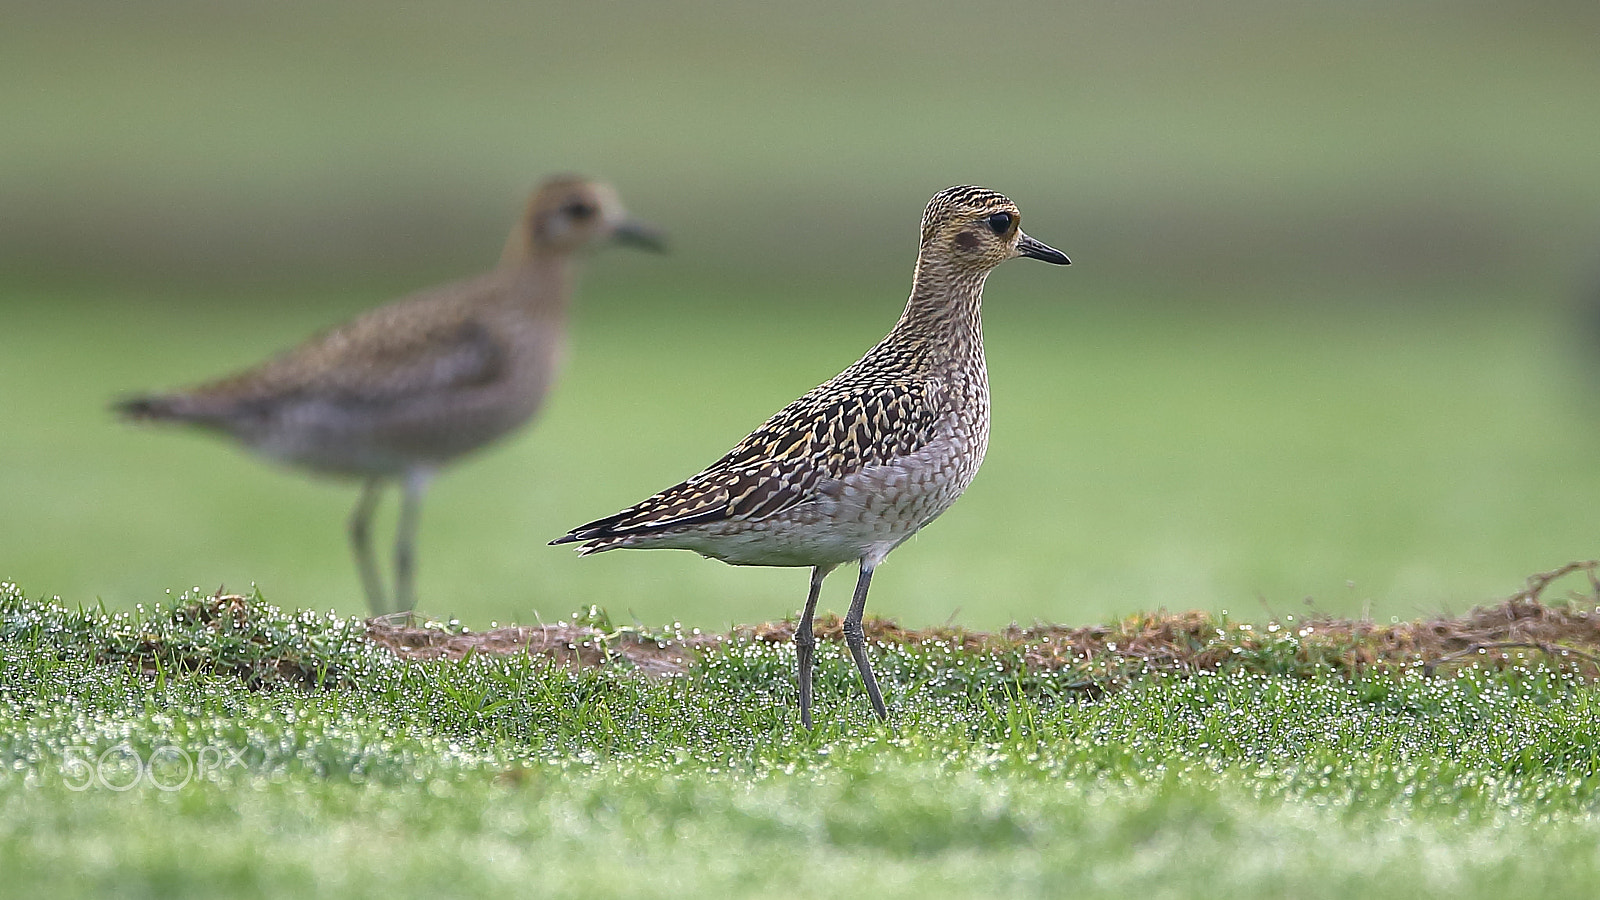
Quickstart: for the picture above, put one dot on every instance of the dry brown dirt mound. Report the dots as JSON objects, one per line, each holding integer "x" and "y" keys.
{"x": 1564, "y": 632}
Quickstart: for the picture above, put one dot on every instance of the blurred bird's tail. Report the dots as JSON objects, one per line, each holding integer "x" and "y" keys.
{"x": 153, "y": 408}
{"x": 189, "y": 408}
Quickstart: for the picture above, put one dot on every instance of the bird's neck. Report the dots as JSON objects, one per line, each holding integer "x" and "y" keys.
{"x": 945, "y": 310}
{"x": 543, "y": 278}
{"x": 520, "y": 245}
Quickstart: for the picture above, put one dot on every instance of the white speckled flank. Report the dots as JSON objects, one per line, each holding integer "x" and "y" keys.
{"x": 406, "y": 388}
{"x": 860, "y": 463}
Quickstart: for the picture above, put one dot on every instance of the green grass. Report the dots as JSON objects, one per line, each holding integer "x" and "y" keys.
{"x": 506, "y": 777}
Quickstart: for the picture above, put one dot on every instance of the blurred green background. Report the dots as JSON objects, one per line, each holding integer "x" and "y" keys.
{"x": 1327, "y": 334}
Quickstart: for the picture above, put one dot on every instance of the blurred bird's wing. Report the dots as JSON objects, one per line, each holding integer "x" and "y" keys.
{"x": 372, "y": 362}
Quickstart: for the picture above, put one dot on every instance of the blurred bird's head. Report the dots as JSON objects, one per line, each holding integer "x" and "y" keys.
{"x": 975, "y": 229}
{"x": 567, "y": 214}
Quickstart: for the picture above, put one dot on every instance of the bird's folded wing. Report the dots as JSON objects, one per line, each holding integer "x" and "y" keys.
{"x": 367, "y": 365}
{"x": 815, "y": 441}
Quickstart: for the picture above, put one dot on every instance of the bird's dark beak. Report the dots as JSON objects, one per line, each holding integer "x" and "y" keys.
{"x": 635, "y": 233}
{"x": 1027, "y": 246}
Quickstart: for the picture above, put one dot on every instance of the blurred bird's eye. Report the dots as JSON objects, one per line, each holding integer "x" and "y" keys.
{"x": 1000, "y": 223}
{"x": 578, "y": 211}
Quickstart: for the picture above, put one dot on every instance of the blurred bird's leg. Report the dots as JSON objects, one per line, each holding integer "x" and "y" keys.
{"x": 361, "y": 541}
{"x": 412, "y": 488}
{"x": 805, "y": 642}
{"x": 857, "y": 643}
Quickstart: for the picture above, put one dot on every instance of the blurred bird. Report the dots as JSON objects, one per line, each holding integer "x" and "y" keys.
{"x": 852, "y": 469}
{"x": 403, "y": 389}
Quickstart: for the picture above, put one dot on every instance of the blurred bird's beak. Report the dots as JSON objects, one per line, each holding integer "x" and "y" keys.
{"x": 1027, "y": 246}
{"x": 635, "y": 233}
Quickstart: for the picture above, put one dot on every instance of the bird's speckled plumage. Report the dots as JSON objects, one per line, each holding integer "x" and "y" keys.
{"x": 863, "y": 461}
{"x": 405, "y": 388}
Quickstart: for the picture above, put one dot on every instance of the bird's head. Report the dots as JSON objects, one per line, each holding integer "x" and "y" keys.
{"x": 567, "y": 214}
{"x": 973, "y": 228}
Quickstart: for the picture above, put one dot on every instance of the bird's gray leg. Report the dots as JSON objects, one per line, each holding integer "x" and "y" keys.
{"x": 361, "y": 542}
{"x": 857, "y": 643}
{"x": 805, "y": 642}
{"x": 411, "y": 491}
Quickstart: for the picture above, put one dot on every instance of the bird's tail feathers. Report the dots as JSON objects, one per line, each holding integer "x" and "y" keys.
{"x": 167, "y": 408}
{"x": 150, "y": 407}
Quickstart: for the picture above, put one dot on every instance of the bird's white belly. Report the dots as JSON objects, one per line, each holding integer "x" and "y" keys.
{"x": 330, "y": 437}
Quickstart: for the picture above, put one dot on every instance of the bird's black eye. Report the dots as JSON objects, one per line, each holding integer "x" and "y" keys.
{"x": 578, "y": 210}
{"x": 1000, "y": 222}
